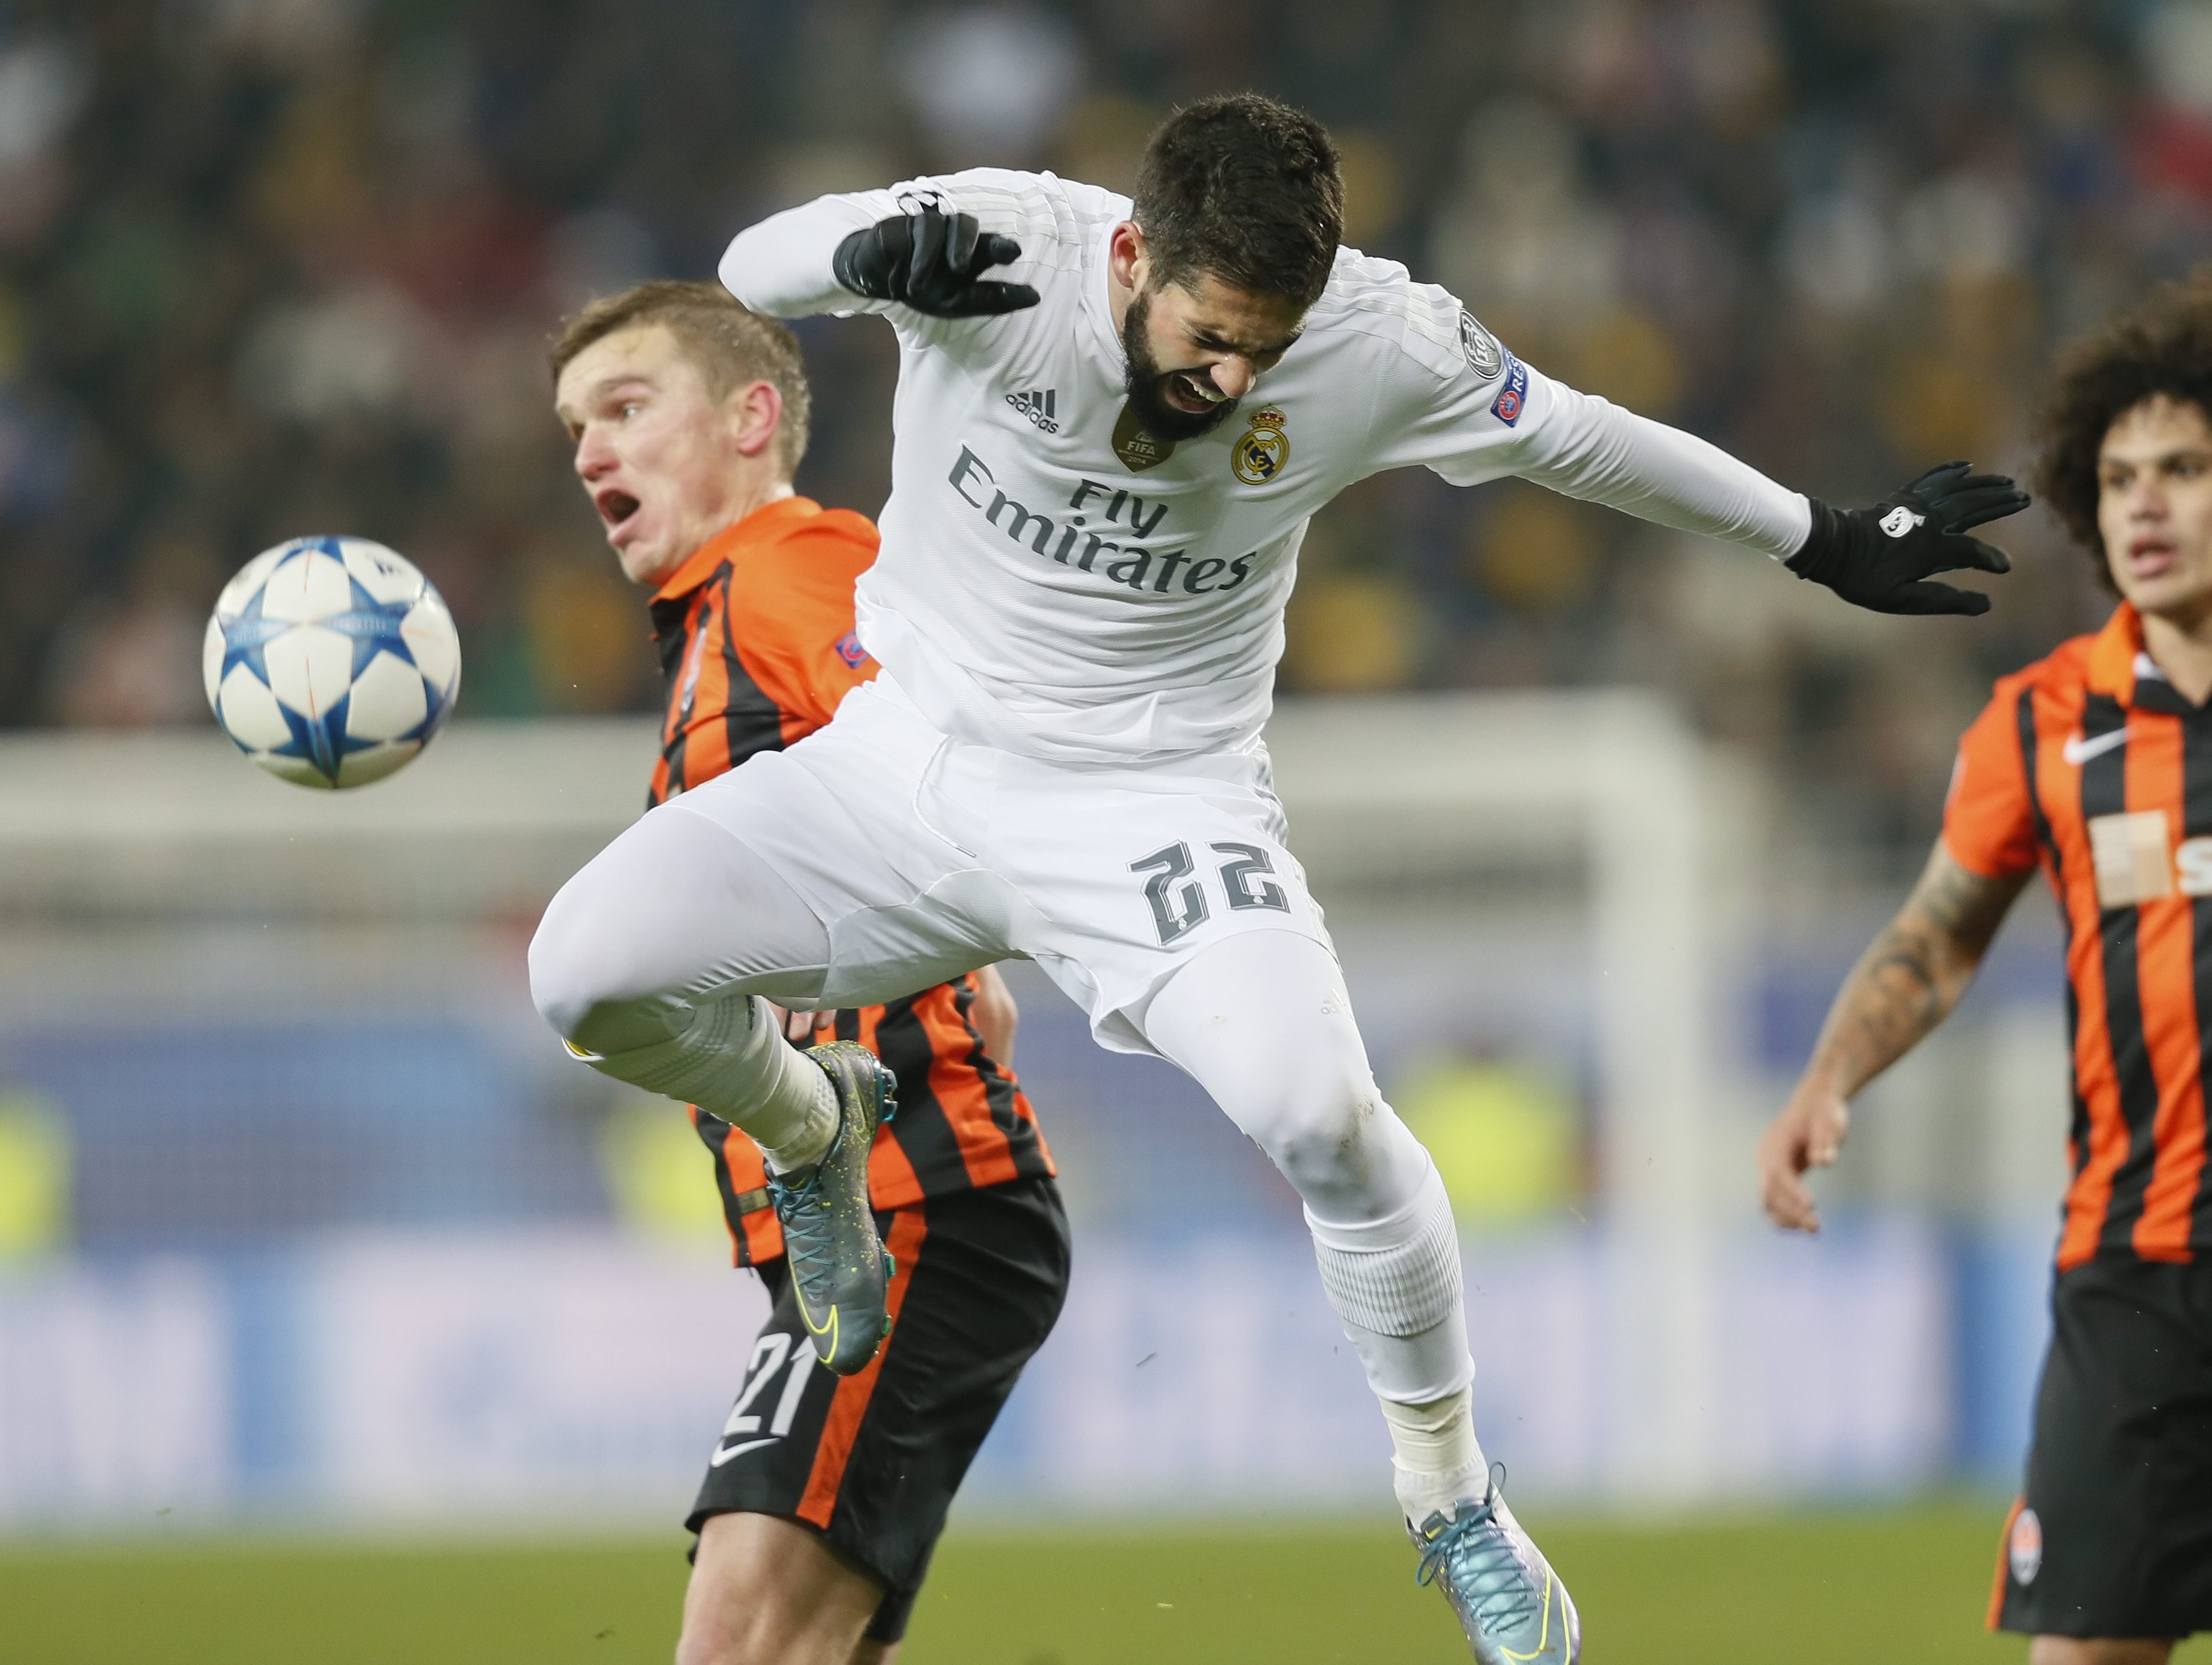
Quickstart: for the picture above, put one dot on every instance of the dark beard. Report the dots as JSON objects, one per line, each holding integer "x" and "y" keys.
{"x": 1147, "y": 383}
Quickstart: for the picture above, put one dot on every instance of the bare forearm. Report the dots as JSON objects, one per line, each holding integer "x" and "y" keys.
{"x": 1912, "y": 975}
{"x": 1900, "y": 990}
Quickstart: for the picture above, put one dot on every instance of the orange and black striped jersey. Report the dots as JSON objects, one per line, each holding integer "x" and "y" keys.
{"x": 757, "y": 647}
{"x": 2092, "y": 765}
{"x": 755, "y": 638}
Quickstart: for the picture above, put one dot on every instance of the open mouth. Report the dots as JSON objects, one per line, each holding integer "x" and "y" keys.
{"x": 1189, "y": 392}
{"x": 615, "y": 507}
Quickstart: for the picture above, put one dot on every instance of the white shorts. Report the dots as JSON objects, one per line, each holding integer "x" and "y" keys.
{"x": 924, "y": 856}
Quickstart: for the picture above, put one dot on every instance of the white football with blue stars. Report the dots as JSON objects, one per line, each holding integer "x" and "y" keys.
{"x": 331, "y": 661}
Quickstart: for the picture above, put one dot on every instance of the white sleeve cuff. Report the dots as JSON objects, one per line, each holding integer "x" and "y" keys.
{"x": 782, "y": 265}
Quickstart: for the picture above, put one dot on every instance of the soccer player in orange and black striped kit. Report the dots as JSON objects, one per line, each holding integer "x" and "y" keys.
{"x": 2094, "y": 766}
{"x": 826, "y": 1493}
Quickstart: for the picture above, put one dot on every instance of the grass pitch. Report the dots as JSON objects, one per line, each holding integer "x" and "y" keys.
{"x": 1903, "y": 1586}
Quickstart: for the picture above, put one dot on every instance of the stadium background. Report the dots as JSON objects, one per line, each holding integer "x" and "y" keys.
{"x": 301, "y": 1231}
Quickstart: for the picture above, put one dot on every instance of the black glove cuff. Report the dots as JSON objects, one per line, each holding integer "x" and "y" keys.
{"x": 1825, "y": 545}
{"x": 844, "y": 263}
{"x": 865, "y": 264}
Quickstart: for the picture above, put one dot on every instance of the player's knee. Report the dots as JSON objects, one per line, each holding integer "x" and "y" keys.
{"x": 755, "y": 1643}
{"x": 732, "y": 1616}
{"x": 1331, "y": 1134}
{"x": 695, "y": 1647}
{"x": 727, "y": 1639}
{"x": 600, "y": 963}
{"x": 673, "y": 910}
{"x": 750, "y": 1637}
{"x": 766, "y": 1591}
{"x": 740, "y": 1641}
{"x": 632, "y": 927}
{"x": 569, "y": 981}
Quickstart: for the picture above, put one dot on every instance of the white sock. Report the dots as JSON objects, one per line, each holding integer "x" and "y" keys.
{"x": 801, "y": 1109}
{"x": 1435, "y": 1460}
{"x": 727, "y": 1054}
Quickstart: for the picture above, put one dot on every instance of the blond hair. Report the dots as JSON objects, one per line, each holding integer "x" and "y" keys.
{"x": 727, "y": 342}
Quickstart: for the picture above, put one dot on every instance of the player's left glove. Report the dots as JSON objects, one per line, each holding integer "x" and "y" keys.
{"x": 933, "y": 262}
{"x": 1883, "y": 557}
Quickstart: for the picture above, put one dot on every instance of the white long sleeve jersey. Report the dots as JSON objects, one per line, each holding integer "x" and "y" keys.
{"x": 1047, "y": 590}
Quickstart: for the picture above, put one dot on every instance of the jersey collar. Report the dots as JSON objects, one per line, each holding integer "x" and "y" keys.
{"x": 2113, "y": 653}
{"x": 765, "y": 524}
{"x": 2121, "y": 669}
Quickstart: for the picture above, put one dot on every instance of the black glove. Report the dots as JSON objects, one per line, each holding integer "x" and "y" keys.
{"x": 1881, "y": 557}
{"x": 929, "y": 261}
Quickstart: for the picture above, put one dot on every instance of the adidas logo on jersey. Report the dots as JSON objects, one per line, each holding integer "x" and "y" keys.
{"x": 1040, "y": 408}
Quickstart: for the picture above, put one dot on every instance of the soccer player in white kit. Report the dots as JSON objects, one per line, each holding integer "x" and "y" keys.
{"x": 1106, "y": 454}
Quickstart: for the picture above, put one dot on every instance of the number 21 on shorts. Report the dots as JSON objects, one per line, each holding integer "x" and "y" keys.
{"x": 1178, "y": 896}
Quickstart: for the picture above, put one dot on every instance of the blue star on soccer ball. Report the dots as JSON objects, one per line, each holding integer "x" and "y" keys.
{"x": 374, "y": 626}
{"x": 246, "y": 639}
{"x": 323, "y": 741}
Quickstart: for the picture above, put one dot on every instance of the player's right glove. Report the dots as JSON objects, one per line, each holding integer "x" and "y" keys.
{"x": 1882, "y": 557}
{"x": 932, "y": 262}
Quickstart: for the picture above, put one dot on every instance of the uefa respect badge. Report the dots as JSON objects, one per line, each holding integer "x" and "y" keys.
{"x": 1514, "y": 396}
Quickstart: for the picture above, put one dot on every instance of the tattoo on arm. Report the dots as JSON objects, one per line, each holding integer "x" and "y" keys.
{"x": 1914, "y": 973}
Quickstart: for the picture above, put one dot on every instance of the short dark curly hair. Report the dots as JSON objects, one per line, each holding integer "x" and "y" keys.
{"x": 2162, "y": 346}
{"x": 1245, "y": 190}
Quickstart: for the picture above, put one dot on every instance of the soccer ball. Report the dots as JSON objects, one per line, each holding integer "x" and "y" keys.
{"x": 331, "y": 661}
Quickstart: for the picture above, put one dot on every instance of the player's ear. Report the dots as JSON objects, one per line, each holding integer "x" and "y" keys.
{"x": 1126, "y": 256}
{"x": 755, "y": 413}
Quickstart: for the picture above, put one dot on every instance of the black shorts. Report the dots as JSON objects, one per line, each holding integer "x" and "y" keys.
{"x": 872, "y": 1460}
{"x": 2113, "y": 1537}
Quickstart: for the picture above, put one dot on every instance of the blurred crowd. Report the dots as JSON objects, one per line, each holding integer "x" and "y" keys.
{"x": 269, "y": 267}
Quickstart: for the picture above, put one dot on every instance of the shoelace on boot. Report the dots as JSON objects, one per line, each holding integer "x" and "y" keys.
{"x": 1474, "y": 1559}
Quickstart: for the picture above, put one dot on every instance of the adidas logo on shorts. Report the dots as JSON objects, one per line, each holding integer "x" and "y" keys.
{"x": 1040, "y": 408}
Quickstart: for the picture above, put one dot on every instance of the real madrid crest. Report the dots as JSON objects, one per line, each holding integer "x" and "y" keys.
{"x": 1264, "y": 449}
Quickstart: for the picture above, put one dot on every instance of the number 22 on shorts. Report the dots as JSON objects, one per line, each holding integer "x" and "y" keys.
{"x": 1178, "y": 896}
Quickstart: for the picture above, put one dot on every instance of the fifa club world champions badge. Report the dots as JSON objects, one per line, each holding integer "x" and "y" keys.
{"x": 1136, "y": 447}
{"x": 1262, "y": 453}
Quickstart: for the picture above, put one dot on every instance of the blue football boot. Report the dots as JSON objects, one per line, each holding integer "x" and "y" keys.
{"x": 840, "y": 1271}
{"x": 1512, "y": 1606}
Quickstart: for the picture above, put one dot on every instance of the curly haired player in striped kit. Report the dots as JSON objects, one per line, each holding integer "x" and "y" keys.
{"x": 827, "y": 1492}
{"x": 2093, "y": 765}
